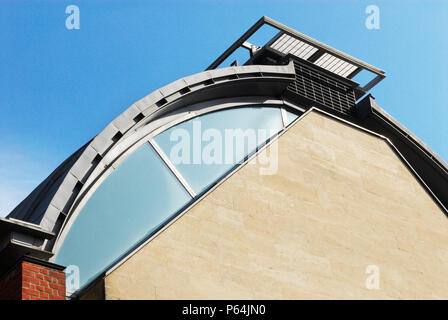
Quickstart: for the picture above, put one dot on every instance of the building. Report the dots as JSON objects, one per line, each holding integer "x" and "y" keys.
{"x": 278, "y": 179}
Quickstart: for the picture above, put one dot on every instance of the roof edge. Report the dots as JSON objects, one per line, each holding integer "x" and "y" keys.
{"x": 432, "y": 169}
{"x": 198, "y": 87}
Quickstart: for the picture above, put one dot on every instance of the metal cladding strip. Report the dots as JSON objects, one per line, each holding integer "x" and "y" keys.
{"x": 408, "y": 134}
{"x": 284, "y": 117}
{"x": 57, "y": 205}
{"x": 368, "y": 106}
{"x": 33, "y": 202}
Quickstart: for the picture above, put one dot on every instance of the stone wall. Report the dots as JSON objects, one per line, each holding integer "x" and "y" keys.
{"x": 341, "y": 200}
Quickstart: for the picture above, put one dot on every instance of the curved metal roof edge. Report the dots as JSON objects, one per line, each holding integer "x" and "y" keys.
{"x": 394, "y": 123}
{"x": 33, "y": 200}
{"x": 86, "y": 158}
{"x": 431, "y": 153}
{"x": 76, "y": 169}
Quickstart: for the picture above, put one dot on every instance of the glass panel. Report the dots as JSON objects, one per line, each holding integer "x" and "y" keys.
{"x": 134, "y": 200}
{"x": 290, "y": 117}
{"x": 207, "y": 147}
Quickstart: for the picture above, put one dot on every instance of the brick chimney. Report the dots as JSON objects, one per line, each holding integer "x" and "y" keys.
{"x": 33, "y": 279}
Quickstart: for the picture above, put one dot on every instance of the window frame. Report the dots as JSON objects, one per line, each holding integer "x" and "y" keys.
{"x": 146, "y": 132}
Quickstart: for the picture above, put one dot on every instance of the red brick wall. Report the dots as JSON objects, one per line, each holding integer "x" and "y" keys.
{"x": 31, "y": 281}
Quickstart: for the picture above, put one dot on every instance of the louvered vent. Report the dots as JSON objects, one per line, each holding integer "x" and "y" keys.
{"x": 319, "y": 89}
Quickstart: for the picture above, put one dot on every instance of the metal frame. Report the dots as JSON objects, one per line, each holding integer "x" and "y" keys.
{"x": 284, "y": 117}
{"x": 322, "y": 48}
{"x": 172, "y": 167}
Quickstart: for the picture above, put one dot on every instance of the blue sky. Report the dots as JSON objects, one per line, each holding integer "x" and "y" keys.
{"x": 59, "y": 87}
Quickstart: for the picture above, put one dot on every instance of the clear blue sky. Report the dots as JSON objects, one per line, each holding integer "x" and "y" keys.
{"x": 59, "y": 88}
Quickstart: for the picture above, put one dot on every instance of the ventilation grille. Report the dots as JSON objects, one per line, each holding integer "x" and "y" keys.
{"x": 318, "y": 88}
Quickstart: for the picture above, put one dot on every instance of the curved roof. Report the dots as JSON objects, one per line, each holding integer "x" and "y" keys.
{"x": 51, "y": 201}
